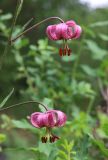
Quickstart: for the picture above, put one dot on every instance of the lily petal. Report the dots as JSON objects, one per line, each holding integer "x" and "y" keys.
{"x": 36, "y": 119}
{"x": 78, "y": 32}
{"x": 71, "y": 23}
{"x": 61, "y": 118}
{"x": 63, "y": 31}
{"x": 51, "y": 32}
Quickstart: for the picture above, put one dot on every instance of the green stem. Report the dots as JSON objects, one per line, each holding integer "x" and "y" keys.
{"x": 7, "y": 48}
{"x": 90, "y": 105}
{"x": 69, "y": 158}
{"x": 23, "y": 103}
{"x": 34, "y": 26}
{"x": 78, "y": 58}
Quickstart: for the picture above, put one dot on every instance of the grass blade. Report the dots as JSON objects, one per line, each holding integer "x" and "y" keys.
{"x": 6, "y": 98}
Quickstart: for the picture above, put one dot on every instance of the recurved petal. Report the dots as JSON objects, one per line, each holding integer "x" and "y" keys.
{"x": 36, "y": 119}
{"x": 59, "y": 30}
{"x": 63, "y": 31}
{"x": 51, "y": 32}
{"x": 71, "y": 23}
{"x": 66, "y": 32}
{"x": 78, "y": 32}
{"x": 60, "y": 118}
{"x": 51, "y": 118}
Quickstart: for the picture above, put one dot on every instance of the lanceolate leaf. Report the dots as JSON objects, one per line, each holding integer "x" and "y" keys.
{"x": 6, "y": 99}
{"x": 99, "y": 24}
{"x": 20, "y": 3}
{"x": 97, "y": 53}
{"x": 101, "y": 146}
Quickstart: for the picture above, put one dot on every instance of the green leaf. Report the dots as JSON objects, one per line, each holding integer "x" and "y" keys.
{"x": 46, "y": 148}
{"x": 85, "y": 89}
{"x": 23, "y": 124}
{"x": 6, "y": 99}
{"x": 42, "y": 44}
{"x": 2, "y": 137}
{"x": 101, "y": 146}
{"x": 53, "y": 154}
{"x": 96, "y": 52}
{"x": 69, "y": 58}
{"x": 89, "y": 31}
{"x": 99, "y": 24}
{"x": 19, "y": 7}
{"x": 33, "y": 149}
{"x": 2, "y": 27}
{"x": 103, "y": 37}
{"x": 63, "y": 154}
{"x": 18, "y": 58}
{"x": 5, "y": 17}
{"x": 33, "y": 47}
{"x": 103, "y": 128}
{"x": 88, "y": 70}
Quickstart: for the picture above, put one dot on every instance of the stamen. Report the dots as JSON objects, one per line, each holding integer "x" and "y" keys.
{"x": 60, "y": 51}
{"x": 44, "y": 139}
{"x": 53, "y": 138}
{"x": 69, "y": 52}
{"x": 65, "y": 51}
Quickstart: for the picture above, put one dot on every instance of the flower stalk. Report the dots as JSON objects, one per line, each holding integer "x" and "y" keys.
{"x": 23, "y": 103}
{"x": 34, "y": 26}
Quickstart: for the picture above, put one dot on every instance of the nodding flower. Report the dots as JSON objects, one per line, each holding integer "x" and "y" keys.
{"x": 49, "y": 120}
{"x": 64, "y": 31}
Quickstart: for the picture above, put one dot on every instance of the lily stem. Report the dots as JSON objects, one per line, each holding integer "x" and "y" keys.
{"x": 34, "y": 26}
{"x": 90, "y": 105}
{"x": 78, "y": 58}
{"x": 23, "y": 103}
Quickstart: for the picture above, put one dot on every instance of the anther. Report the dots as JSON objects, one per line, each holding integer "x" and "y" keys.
{"x": 60, "y": 51}
{"x": 69, "y": 52}
{"x": 44, "y": 139}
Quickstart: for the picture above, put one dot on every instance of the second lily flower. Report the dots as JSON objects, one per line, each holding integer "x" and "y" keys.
{"x": 64, "y": 31}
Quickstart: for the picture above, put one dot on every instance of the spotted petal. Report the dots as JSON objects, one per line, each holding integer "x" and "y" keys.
{"x": 61, "y": 118}
{"x": 36, "y": 119}
{"x": 51, "y": 32}
{"x": 50, "y": 119}
{"x": 78, "y": 32}
{"x": 63, "y": 31}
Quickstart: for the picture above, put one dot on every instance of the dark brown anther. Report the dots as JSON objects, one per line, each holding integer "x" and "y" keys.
{"x": 55, "y": 138}
{"x": 69, "y": 52}
{"x": 64, "y": 51}
{"x": 50, "y": 139}
{"x": 60, "y": 51}
{"x": 44, "y": 139}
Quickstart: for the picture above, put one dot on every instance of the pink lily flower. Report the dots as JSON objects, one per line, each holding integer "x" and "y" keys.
{"x": 48, "y": 119}
{"x": 64, "y": 31}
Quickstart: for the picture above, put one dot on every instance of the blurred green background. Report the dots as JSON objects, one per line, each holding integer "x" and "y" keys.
{"x": 75, "y": 84}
